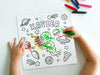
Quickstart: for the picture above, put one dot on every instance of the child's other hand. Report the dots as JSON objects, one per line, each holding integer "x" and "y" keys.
{"x": 17, "y": 51}
{"x": 72, "y": 29}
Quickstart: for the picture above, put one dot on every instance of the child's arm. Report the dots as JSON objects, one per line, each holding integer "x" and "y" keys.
{"x": 17, "y": 52}
{"x": 93, "y": 60}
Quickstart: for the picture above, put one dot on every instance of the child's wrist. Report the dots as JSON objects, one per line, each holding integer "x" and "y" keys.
{"x": 13, "y": 63}
{"x": 15, "y": 60}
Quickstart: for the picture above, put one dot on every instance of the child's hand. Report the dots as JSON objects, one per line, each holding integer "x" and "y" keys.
{"x": 72, "y": 29}
{"x": 16, "y": 51}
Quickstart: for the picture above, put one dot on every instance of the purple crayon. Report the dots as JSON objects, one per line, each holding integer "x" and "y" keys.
{"x": 77, "y": 2}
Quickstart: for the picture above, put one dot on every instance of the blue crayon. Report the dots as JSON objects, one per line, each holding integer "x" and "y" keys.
{"x": 75, "y": 4}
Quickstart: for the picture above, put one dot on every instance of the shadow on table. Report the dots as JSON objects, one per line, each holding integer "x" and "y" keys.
{"x": 7, "y": 63}
{"x": 80, "y": 55}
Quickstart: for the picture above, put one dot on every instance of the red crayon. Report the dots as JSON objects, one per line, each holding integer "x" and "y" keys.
{"x": 85, "y": 5}
{"x": 71, "y": 7}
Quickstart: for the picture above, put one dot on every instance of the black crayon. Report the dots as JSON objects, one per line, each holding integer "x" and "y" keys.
{"x": 79, "y": 12}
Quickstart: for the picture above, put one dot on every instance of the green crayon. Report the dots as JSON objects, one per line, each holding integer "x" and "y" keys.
{"x": 70, "y": 33}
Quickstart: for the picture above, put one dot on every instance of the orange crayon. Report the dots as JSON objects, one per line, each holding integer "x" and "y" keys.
{"x": 68, "y": 0}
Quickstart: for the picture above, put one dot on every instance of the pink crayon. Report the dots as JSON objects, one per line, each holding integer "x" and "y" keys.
{"x": 85, "y": 5}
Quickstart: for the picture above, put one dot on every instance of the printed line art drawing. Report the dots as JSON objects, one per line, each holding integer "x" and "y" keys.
{"x": 52, "y": 23}
{"x": 23, "y": 29}
{"x": 48, "y": 17}
{"x": 45, "y": 23}
{"x": 63, "y": 39}
{"x": 49, "y": 60}
{"x": 48, "y": 23}
{"x": 58, "y": 60}
{"x": 54, "y": 16}
{"x": 65, "y": 27}
{"x": 44, "y": 37}
{"x": 28, "y": 34}
{"x": 66, "y": 56}
{"x": 32, "y": 36}
{"x": 35, "y": 54}
{"x": 48, "y": 29}
{"x": 36, "y": 18}
{"x": 37, "y": 63}
{"x": 38, "y": 42}
{"x": 57, "y": 23}
{"x": 64, "y": 17}
{"x": 33, "y": 47}
{"x": 30, "y": 62}
{"x": 43, "y": 55}
{"x": 51, "y": 52}
{"x": 27, "y": 30}
{"x": 42, "y": 24}
{"x": 66, "y": 47}
{"x": 25, "y": 22}
{"x": 46, "y": 45}
{"x": 26, "y": 44}
{"x": 58, "y": 53}
{"x": 37, "y": 32}
{"x": 32, "y": 26}
{"x": 56, "y": 32}
{"x": 51, "y": 44}
{"x": 27, "y": 55}
{"x": 55, "y": 53}
{"x": 65, "y": 22}
{"x": 37, "y": 23}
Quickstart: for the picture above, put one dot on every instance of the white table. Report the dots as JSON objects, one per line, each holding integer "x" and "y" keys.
{"x": 9, "y": 9}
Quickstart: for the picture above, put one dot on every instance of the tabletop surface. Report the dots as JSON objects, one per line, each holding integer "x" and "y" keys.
{"x": 88, "y": 24}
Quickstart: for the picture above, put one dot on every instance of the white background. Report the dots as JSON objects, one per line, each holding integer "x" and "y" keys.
{"x": 87, "y": 24}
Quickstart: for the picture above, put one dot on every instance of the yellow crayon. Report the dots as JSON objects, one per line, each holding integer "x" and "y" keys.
{"x": 68, "y": 0}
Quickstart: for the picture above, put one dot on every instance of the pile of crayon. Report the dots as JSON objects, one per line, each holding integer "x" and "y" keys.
{"x": 77, "y": 5}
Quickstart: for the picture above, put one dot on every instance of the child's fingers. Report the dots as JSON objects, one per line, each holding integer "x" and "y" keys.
{"x": 67, "y": 29}
{"x": 67, "y": 35}
{"x": 10, "y": 45}
{"x": 23, "y": 50}
{"x": 71, "y": 36}
{"x": 20, "y": 42}
{"x": 14, "y": 41}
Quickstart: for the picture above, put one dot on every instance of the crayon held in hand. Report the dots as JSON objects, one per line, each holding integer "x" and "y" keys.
{"x": 70, "y": 33}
